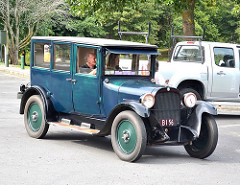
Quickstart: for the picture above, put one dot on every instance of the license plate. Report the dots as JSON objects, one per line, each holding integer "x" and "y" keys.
{"x": 167, "y": 122}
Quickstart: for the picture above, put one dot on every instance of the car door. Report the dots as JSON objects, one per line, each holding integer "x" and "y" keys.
{"x": 61, "y": 77}
{"x": 225, "y": 84}
{"x": 86, "y": 98}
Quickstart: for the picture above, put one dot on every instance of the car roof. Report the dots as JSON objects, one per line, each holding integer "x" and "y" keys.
{"x": 96, "y": 41}
{"x": 208, "y": 43}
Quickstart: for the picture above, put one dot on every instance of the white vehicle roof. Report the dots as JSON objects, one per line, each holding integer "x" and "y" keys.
{"x": 96, "y": 41}
{"x": 203, "y": 43}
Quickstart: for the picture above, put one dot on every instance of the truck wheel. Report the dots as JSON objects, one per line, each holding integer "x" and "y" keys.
{"x": 34, "y": 117}
{"x": 188, "y": 90}
{"x": 204, "y": 146}
{"x": 128, "y": 136}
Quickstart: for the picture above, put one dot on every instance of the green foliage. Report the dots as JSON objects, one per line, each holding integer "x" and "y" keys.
{"x": 28, "y": 58}
{"x": 87, "y": 27}
{"x": 99, "y": 18}
{"x": 219, "y": 21}
{"x": 90, "y": 7}
{"x": 133, "y": 19}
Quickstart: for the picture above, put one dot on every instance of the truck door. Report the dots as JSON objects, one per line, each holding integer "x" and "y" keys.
{"x": 225, "y": 74}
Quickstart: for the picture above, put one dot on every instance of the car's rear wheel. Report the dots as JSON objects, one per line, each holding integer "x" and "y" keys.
{"x": 34, "y": 117}
{"x": 128, "y": 136}
{"x": 204, "y": 146}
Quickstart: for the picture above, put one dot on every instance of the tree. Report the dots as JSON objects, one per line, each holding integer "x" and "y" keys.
{"x": 22, "y": 18}
{"x": 186, "y": 8}
{"x": 86, "y": 26}
{"x": 89, "y": 7}
{"x": 98, "y": 6}
{"x": 134, "y": 17}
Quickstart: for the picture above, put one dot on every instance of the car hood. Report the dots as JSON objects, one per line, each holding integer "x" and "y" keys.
{"x": 131, "y": 89}
{"x": 121, "y": 90}
{"x": 137, "y": 87}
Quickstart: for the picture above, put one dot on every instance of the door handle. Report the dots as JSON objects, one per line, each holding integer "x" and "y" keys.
{"x": 74, "y": 81}
{"x": 71, "y": 80}
{"x": 221, "y": 73}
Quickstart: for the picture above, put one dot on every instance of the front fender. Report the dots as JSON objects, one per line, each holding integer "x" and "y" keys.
{"x": 141, "y": 110}
{"x": 195, "y": 120}
{"x": 138, "y": 108}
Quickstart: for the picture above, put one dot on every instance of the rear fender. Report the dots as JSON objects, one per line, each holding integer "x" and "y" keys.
{"x": 36, "y": 90}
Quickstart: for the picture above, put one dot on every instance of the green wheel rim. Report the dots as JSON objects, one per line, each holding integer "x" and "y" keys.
{"x": 126, "y": 136}
{"x": 34, "y": 117}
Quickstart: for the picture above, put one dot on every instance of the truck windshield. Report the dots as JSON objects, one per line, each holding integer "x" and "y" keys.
{"x": 188, "y": 54}
{"x": 128, "y": 64}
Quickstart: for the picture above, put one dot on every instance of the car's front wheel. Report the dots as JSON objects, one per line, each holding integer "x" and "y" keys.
{"x": 34, "y": 117}
{"x": 128, "y": 136}
{"x": 204, "y": 146}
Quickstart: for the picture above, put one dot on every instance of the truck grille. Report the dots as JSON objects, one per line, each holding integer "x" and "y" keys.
{"x": 167, "y": 107}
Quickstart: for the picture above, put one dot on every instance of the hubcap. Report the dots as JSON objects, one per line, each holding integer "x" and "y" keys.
{"x": 126, "y": 136}
{"x": 34, "y": 117}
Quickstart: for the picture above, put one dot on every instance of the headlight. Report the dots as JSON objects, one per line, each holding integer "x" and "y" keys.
{"x": 190, "y": 100}
{"x": 148, "y": 100}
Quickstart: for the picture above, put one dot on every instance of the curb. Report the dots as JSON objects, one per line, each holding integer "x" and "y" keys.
{"x": 23, "y": 73}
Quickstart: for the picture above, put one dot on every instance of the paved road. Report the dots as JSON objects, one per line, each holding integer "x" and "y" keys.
{"x": 67, "y": 157}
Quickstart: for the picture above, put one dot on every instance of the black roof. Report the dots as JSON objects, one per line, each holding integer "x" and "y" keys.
{"x": 96, "y": 41}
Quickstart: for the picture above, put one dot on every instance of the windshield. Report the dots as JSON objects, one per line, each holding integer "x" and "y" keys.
{"x": 187, "y": 54}
{"x": 128, "y": 64}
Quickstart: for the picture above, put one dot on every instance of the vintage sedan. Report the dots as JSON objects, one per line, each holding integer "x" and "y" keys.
{"x": 106, "y": 87}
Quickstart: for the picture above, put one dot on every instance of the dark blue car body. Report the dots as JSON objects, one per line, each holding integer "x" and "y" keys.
{"x": 67, "y": 94}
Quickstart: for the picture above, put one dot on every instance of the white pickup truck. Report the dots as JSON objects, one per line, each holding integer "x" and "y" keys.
{"x": 212, "y": 73}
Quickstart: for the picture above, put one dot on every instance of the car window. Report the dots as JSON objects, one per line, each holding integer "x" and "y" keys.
{"x": 224, "y": 57}
{"x": 127, "y": 64}
{"x": 62, "y": 56}
{"x": 188, "y": 54}
{"x": 42, "y": 55}
{"x": 86, "y": 61}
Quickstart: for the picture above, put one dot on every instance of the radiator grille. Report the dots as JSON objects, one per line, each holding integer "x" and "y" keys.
{"x": 167, "y": 106}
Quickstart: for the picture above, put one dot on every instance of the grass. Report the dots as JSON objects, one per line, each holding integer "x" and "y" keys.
{"x": 11, "y": 65}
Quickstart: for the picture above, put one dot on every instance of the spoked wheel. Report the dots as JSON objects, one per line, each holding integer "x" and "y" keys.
{"x": 34, "y": 117}
{"x": 128, "y": 136}
{"x": 204, "y": 146}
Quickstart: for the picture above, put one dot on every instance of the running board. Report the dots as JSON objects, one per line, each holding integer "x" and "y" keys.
{"x": 83, "y": 129}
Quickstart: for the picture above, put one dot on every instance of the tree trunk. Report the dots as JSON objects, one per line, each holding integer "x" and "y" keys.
{"x": 188, "y": 18}
{"x": 13, "y": 54}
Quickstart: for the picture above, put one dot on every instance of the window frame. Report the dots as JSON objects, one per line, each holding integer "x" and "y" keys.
{"x": 98, "y": 66}
{"x": 32, "y": 64}
{"x": 53, "y": 56}
{"x": 216, "y": 47}
{"x": 176, "y": 50}
{"x": 132, "y": 51}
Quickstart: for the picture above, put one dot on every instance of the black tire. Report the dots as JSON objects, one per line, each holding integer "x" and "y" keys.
{"x": 204, "y": 146}
{"x": 128, "y": 136}
{"x": 34, "y": 117}
{"x": 190, "y": 90}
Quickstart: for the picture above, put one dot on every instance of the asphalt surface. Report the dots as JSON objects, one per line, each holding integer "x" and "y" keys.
{"x": 68, "y": 157}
